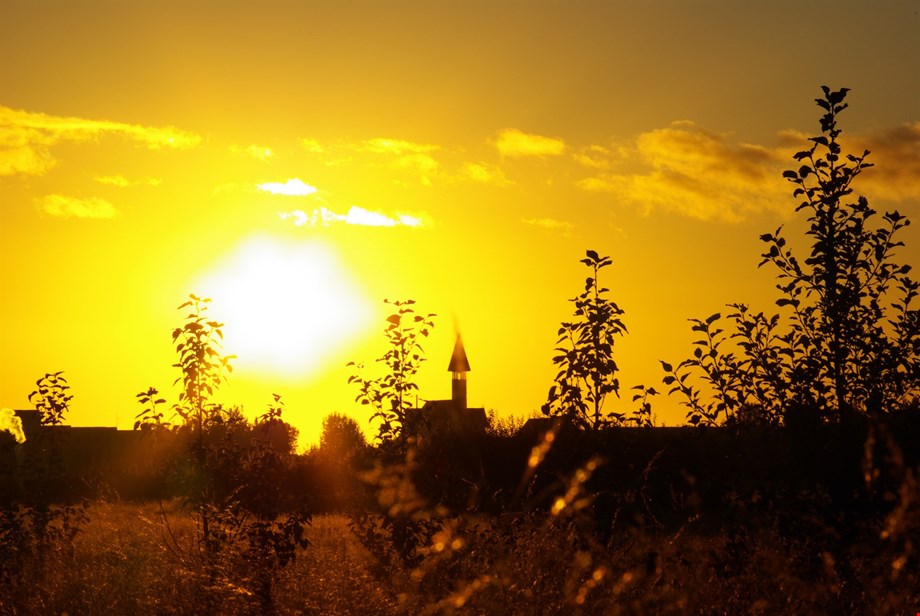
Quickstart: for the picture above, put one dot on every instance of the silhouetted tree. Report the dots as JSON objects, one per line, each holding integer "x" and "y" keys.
{"x": 389, "y": 396}
{"x": 277, "y": 434}
{"x": 36, "y": 521}
{"x": 847, "y": 337}
{"x": 237, "y": 473}
{"x": 587, "y": 370}
{"x": 341, "y": 439}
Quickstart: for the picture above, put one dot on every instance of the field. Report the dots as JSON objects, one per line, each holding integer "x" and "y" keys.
{"x": 140, "y": 558}
{"x": 624, "y": 521}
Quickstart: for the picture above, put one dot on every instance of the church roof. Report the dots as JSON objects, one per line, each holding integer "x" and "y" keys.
{"x": 458, "y": 360}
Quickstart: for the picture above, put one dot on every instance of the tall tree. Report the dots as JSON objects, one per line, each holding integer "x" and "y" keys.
{"x": 390, "y": 395}
{"x": 847, "y": 338}
{"x": 587, "y": 370}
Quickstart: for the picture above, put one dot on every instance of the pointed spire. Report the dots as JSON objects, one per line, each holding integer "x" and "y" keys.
{"x": 458, "y": 361}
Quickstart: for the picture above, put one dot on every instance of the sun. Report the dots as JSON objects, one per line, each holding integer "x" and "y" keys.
{"x": 287, "y": 306}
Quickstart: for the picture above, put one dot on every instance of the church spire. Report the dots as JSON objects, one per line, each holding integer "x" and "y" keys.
{"x": 458, "y": 361}
{"x": 459, "y": 366}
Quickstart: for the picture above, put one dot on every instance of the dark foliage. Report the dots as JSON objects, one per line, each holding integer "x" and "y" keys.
{"x": 390, "y": 395}
{"x": 847, "y": 339}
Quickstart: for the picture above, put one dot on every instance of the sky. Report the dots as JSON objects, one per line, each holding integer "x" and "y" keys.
{"x": 301, "y": 162}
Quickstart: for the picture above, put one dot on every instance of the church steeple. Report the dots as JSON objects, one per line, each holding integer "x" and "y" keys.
{"x": 459, "y": 366}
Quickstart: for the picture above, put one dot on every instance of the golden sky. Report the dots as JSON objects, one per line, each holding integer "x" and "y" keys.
{"x": 299, "y": 162}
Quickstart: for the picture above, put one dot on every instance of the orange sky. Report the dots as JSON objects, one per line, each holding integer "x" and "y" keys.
{"x": 301, "y": 161}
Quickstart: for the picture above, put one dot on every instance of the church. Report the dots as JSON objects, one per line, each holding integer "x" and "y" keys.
{"x": 451, "y": 416}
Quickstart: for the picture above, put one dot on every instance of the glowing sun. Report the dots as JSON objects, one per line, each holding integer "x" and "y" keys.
{"x": 287, "y": 307}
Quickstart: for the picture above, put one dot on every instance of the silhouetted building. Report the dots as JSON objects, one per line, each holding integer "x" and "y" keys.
{"x": 90, "y": 455}
{"x": 31, "y": 422}
{"x": 451, "y": 416}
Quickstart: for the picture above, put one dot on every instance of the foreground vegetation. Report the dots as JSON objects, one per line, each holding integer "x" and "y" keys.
{"x": 140, "y": 558}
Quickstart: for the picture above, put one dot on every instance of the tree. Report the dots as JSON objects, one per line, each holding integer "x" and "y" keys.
{"x": 587, "y": 370}
{"x": 37, "y": 523}
{"x": 247, "y": 524}
{"x": 389, "y": 395}
{"x": 341, "y": 439}
{"x": 201, "y": 363}
{"x": 52, "y": 401}
{"x": 847, "y": 338}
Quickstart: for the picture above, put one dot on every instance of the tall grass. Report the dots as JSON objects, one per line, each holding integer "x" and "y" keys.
{"x": 139, "y": 558}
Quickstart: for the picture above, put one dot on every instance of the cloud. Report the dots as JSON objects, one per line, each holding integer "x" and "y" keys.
{"x": 293, "y": 187}
{"x": 422, "y": 164}
{"x": 312, "y": 146}
{"x": 484, "y": 174}
{"x": 514, "y": 143}
{"x": 699, "y": 174}
{"x": 61, "y": 206}
{"x": 380, "y": 152}
{"x": 26, "y": 160}
{"x": 397, "y": 147}
{"x": 26, "y": 136}
{"x": 894, "y": 152}
{"x": 896, "y": 155}
{"x": 601, "y": 157}
{"x": 122, "y": 182}
{"x": 323, "y": 217}
{"x": 551, "y": 224}
{"x": 255, "y": 151}
{"x": 403, "y": 156}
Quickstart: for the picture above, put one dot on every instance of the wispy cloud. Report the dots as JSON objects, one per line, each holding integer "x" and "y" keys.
{"x": 402, "y": 155}
{"x": 323, "y": 217}
{"x": 424, "y": 165}
{"x": 689, "y": 170}
{"x": 699, "y": 174}
{"x": 896, "y": 155}
{"x": 380, "y": 152}
{"x": 312, "y": 146}
{"x": 484, "y": 173}
{"x": 254, "y": 151}
{"x": 122, "y": 182}
{"x": 513, "y": 143}
{"x": 62, "y": 206}
{"x": 396, "y": 147}
{"x": 26, "y": 136}
{"x": 294, "y": 187}
{"x": 550, "y": 224}
{"x": 601, "y": 157}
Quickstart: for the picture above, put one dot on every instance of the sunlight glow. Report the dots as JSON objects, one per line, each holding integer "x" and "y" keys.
{"x": 9, "y": 422}
{"x": 287, "y": 307}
